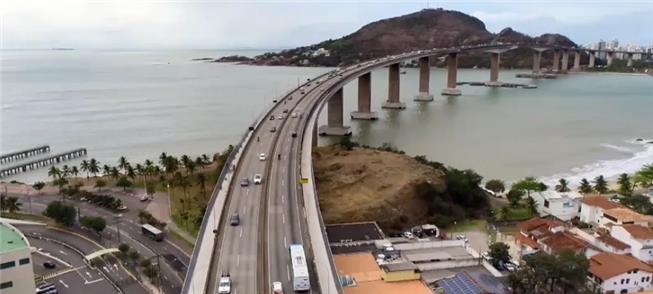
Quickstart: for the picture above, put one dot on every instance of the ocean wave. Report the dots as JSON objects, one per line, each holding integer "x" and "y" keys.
{"x": 618, "y": 148}
{"x": 608, "y": 168}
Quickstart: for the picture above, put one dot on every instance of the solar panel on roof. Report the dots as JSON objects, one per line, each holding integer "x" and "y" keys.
{"x": 459, "y": 284}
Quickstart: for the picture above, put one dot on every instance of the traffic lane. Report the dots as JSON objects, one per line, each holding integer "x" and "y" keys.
{"x": 74, "y": 283}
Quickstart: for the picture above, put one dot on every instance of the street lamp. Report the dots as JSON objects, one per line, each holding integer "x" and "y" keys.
{"x": 158, "y": 274}
{"x": 117, "y": 218}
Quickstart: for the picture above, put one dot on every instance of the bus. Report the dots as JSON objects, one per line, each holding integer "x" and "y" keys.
{"x": 151, "y": 232}
{"x": 300, "y": 280}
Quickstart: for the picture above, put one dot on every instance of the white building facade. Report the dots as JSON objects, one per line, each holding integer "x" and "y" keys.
{"x": 562, "y": 205}
{"x": 16, "y": 271}
{"x": 639, "y": 238}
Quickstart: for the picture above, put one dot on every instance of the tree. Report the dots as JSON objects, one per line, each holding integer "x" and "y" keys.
{"x": 529, "y": 184}
{"x": 644, "y": 177}
{"x": 514, "y": 196}
{"x": 543, "y": 273}
{"x": 562, "y": 186}
{"x": 181, "y": 181}
{"x": 85, "y": 166}
{"x": 585, "y": 187}
{"x": 130, "y": 172}
{"x": 531, "y": 205}
{"x": 115, "y": 173}
{"x": 94, "y": 167}
{"x": 106, "y": 170}
{"x": 38, "y": 186}
{"x": 625, "y": 185}
{"x": 65, "y": 171}
{"x": 123, "y": 163}
{"x": 124, "y": 183}
{"x": 600, "y": 185}
{"x": 61, "y": 213}
{"x": 496, "y": 186}
{"x": 134, "y": 255}
{"x": 94, "y": 223}
{"x": 100, "y": 183}
{"x": 54, "y": 172}
{"x": 499, "y": 252}
{"x": 124, "y": 248}
{"x": 505, "y": 213}
{"x": 60, "y": 182}
{"x": 74, "y": 171}
{"x": 201, "y": 181}
{"x": 11, "y": 204}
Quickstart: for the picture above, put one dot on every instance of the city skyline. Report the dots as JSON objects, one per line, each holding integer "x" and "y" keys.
{"x": 264, "y": 25}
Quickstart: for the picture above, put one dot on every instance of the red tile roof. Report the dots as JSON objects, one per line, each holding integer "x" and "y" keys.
{"x": 607, "y": 265}
{"x": 639, "y": 232}
{"x": 520, "y": 238}
{"x": 600, "y": 201}
{"x": 561, "y": 241}
{"x": 536, "y": 222}
{"x": 611, "y": 241}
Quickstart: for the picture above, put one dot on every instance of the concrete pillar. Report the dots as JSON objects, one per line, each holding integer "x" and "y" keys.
{"x": 576, "y": 61}
{"x": 556, "y": 61}
{"x": 494, "y": 70}
{"x": 393, "y": 89}
{"x": 452, "y": 75}
{"x": 364, "y": 99}
{"x": 609, "y": 56}
{"x": 592, "y": 59}
{"x": 629, "y": 63}
{"x": 537, "y": 57}
{"x": 424, "y": 79}
{"x": 565, "y": 61}
{"x": 334, "y": 125}
{"x": 315, "y": 134}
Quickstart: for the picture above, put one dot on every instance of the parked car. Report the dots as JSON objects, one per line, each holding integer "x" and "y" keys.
{"x": 49, "y": 265}
{"x": 280, "y": 116}
{"x": 409, "y": 235}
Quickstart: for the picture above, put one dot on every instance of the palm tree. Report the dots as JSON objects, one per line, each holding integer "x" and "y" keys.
{"x": 531, "y": 205}
{"x": 562, "y": 186}
{"x": 85, "y": 166}
{"x": 171, "y": 165}
{"x": 199, "y": 162}
{"x": 115, "y": 173}
{"x": 163, "y": 158}
{"x": 130, "y": 172}
{"x": 206, "y": 159}
{"x": 182, "y": 182}
{"x": 201, "y": 180}
{"x": 585, "y": 186}
{"x": 625, "y": 184}
{"x": 106, "y": 170}
{"x": 11, "y": 204}
{"x": 94, "y": 167}
{"x": 54, "y": 172}
{"x": 644, "y": 177}
{"x": 123, "y": 163}
{"x": 65, "y": 170}
{"x": 190, "y": 167}
{"x": 600, "y": 185}
{"x": 185, "y": 161}
{"x": 74, "y": 171}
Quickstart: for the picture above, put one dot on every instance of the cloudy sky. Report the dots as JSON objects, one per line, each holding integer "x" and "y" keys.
{"x": 261, "y": 24}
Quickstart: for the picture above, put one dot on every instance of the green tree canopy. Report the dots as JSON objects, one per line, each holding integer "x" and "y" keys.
{"x": 528, "y": 185}
{"x": 543, "y": 273}
{"x": 625, "y": 185}
{"x": 124, "y": 183}
{"x": 585, "y": 187}
{"x": 499, "y": 252}
{"x": 496, "y": 186}
{"x": 61, "y": 213}
{"x": 562, "y": 186}
{"x": 94, "y": 223}
{"x": 514, "y": 196}
{"x": 600, "y": 185}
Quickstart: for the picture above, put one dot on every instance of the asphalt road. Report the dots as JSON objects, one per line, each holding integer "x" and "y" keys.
{"x": 130, "y": 233}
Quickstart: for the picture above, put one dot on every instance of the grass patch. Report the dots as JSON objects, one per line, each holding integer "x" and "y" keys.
{"x": 27, "y": 217}
{"x": 179, "y": 240}
{"x": 478, "y": 225}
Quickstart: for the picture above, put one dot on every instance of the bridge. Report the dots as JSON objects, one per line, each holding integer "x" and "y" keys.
{"x": 284, "y": 209}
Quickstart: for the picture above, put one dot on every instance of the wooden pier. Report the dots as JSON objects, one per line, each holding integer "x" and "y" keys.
{"x": 35, "y": 164}
{"x": 4, "y": 158}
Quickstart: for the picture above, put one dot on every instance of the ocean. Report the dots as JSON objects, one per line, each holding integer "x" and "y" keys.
{"x": 141, "y": 103}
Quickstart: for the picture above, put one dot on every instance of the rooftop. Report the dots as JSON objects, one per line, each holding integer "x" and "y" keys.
{"x": 436, "y": 254}
{"x": 11, "y": 239}
{"x": 552, "y": 195}
{"x": 352, "y": 232}
{"x": 625, "y": 214}
{"x": 639, "y": 232}
{"x": 613, "y": 242}
{"x": 398, "y": 267}
{"x": 607, "y": 265}
{"x": 600, "y": 201}
{"x": 565, "y": 241}
{"x": 536, "y": 222}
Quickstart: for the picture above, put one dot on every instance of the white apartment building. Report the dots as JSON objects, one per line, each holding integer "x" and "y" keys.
{"x": 562, "y": 205}
{"x": 592, "y": 208}
{"x": 619, "y": 273}
{"x": 16, "y": 271}
{"x": 639, "y": 238}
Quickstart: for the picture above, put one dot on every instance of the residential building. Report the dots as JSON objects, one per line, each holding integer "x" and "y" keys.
{"x": 615, "y": 273}
{"x": 639, "y": 238}
{"x": 592, "y": 208}
{"x": 16, "y": 271}
{"x": 562, "y": 241}
{"x": 622, "y": 216}
{"x": 561, "y": 205}
{"x": 533, "y": 230}
{"x": 603, "y": 241}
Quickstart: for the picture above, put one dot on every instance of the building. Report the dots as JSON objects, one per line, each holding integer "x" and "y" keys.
{"x": 622, "y": 216}
{"x": 400, "y": 271}
{"x": 562, "y": 241}
{"x": 592, "y": 208}
{"x": 615, "y": 273}
{"x": 16, "y": 271}
{"x": 561, "y": 205}
{"x": 534, "y": 230}
{"x": 639, "y": 238}
{"x": 472, "y": 283}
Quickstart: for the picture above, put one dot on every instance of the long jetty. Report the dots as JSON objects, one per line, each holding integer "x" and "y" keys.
{"x": 4, "y": 158}
{"x": 35, "y": 164}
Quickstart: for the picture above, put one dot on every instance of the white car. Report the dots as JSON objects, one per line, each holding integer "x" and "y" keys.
{"x": 280, "y": 116}
{"x": 293, "y": 115}
{"x": 409, "y": 235}
{"x": 261, "y": 157}
{"x": 258, "y": 178}
{"x": 277, "y": 287}
{"x": 224, "y": 286}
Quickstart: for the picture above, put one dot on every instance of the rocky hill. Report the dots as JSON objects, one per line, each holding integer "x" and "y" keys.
{"x": 393, "y": 189}
{"x": 428, "y": 28}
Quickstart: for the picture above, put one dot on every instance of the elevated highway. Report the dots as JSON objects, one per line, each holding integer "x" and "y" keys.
{"x": 283, "y": 209}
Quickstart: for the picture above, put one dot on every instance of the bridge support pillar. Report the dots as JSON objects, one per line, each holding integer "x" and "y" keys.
{"x": 494, "y": 70}
{"x": 393, "y": 89}
{"x": 537, "y": 57}
{"x": 424, "y": 79}
{"x": 629, "y": 63}
{"x": 576, "y": 61}
{"x": 452, "y": 75}
{"x": 364, "y": 99}
{"x": 334, "y": 125}
{"x": 565, "y": 62}
{"x": 609, "y": 56}
{"x": 592, "y": 59}
{"x": 556, "y": 61}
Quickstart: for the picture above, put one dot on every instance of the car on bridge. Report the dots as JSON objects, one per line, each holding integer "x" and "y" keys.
{"x": 234, "y": 220}
{"x": 224, "y": 285}
{"x": 280, "y": 116}
{"x": 277, "y": 287}
{"x": 261, "y": 157}
{"x": 258, "y": 178}
{"x": 272, "y": 117}
{"x": 273, "y": 129}
{"x": 244, "y": 182}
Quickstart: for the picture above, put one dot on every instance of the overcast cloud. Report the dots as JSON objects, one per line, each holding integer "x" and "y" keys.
{"x": 135, "y": 24}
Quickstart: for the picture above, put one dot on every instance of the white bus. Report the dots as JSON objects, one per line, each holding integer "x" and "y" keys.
{"x": 300, "y": 281}
{"x": 151, "y": 232}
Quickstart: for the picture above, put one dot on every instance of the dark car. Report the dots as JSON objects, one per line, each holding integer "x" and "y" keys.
{"x": 294, "y": 134}
{"x": 244, "y": 182}
{"x": 234, "y": 220}
{"x": 272, "y": 117}
{"x": 49, "y": 265}
{"x": 285, "y": 111}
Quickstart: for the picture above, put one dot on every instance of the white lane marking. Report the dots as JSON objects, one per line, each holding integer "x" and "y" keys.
{"x": 283, "y": 218}
{"x": 247, "y": 191}
{"x": 283, "y": 199}
{"x": 64, "y": 253}
{"x": 94, "y": 281}
{"x": 238, "y": 260}
{"x": 288, "y": 271}
{"x": 241, "y": 232}
{"x": 62, "y": 283}
{"x": 285, "y": 242}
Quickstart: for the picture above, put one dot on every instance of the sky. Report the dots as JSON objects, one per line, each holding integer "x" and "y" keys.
{"x": 261, "y": 24}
